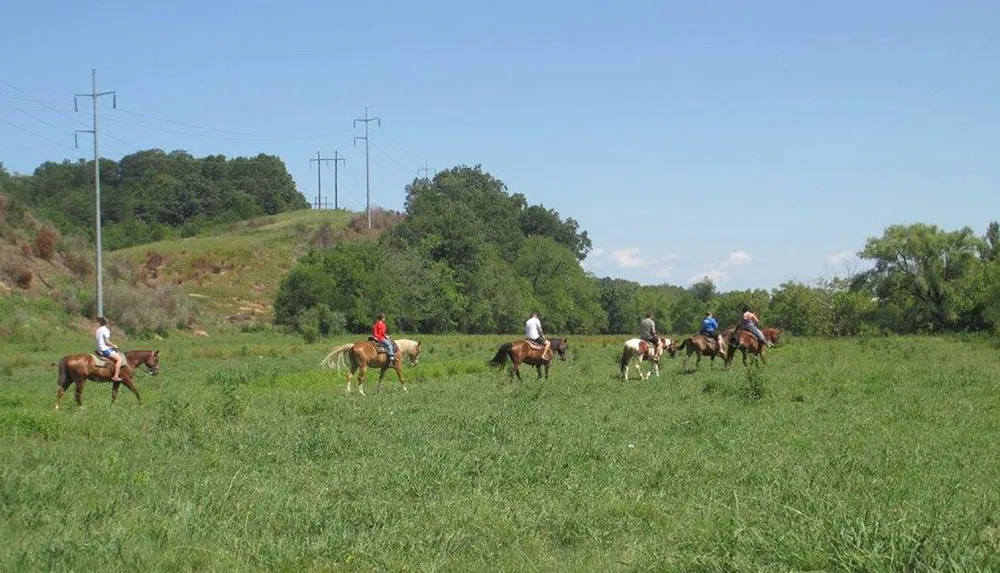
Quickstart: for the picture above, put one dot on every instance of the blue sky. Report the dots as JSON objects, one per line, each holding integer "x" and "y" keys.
{"x": 750, "y": 142}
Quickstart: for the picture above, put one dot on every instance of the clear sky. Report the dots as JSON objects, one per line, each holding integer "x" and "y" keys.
{"x": 752, "y": 142}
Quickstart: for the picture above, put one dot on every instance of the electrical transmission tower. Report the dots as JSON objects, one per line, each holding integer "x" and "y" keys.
{"x": 368, "y": 178}
{"x": 319, "y": 176}
{"x": 95, "y": 96}
{"x": 426, "y": 170}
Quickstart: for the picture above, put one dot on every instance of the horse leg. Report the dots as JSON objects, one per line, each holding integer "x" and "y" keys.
{"x": 762, "y": 359}
{"x": 744, "y": 352}
{"x": 399, "y": 375}
{"x": 538, "y": 368}
{"x": 127, "y": 381}
{"x": 79, "y": 391}
{"x": 350, "y": 375}
{"x": 362, "y": 373}
{"x": 114, "y": 391}
{"x": 63, "y": 385}
{"x": 656, "y": 368}
{"x": 381, "y": 376}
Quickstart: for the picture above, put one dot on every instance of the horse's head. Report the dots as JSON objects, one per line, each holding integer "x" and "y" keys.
{"x": 772, "y": 335}
{"x": 415, "y": 354}
{"x": 152, "y": 362}
{"x": 669, "y": 346}
{"x": 560, "y": 347}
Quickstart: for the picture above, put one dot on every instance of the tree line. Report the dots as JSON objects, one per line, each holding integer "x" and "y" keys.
{"x": 153, "y": 195}
{"x": 471, "y": 257}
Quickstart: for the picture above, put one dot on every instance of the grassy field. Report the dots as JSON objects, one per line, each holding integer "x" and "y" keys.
{"x": 846, "y": 455}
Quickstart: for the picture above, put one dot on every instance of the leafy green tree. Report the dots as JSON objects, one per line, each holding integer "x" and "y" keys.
{"x": 916, "y": 269}
{"x": 537, "y": 220}
{"x": 801, "y": 309}
{"x": 618, "y": 300}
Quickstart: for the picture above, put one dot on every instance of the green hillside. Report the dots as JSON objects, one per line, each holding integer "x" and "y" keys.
{"x": 234, "y": 274}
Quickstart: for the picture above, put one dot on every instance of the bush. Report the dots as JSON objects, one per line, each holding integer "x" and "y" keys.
{"x": 45, "y": 242}
{"x": 144, "y": 311}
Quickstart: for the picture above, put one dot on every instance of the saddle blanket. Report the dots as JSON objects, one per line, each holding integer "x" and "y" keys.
{"x": 100, "y": 361}
{"x": 534, "y": 345}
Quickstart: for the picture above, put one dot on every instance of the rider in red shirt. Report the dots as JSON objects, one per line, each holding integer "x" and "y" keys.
{"x": 379, "y": 334}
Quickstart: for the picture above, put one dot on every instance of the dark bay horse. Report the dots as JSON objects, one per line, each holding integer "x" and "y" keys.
{"x": 365, "y": 355}
{"x": 522, "y": 351}
{"x": 78, "y": 368}
{"x": 700, "y": 345}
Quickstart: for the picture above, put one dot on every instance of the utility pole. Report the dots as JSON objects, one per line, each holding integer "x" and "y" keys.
{"x": 426, "y": 170}
{"x": 95, "y": 96}
{"x": 368, "y": 177}
{"x": 319, "y": 177}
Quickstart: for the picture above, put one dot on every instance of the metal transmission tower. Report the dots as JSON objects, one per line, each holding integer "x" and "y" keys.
{"x": 426, "y": 170}
{"x": 319, "y": 176}
{"x": 368, "y": 178}
{"x": 95, "y": 96}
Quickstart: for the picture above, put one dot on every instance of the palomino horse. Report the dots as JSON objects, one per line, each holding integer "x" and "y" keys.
{"x": 366, "y": 355}
{"x": 408, "y": 348}
{"x": 523, "y": 351}
{"x": 78, "y": 368}
{"x": 637, "y": 350}
{"x": 700, "y": 345}
{"x": 745, "y": 341}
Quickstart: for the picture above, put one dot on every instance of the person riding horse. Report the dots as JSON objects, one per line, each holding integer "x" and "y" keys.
{"x": 751, "y": 323}
{"x": 108, "y": 350}
{"x": 379, "y": 334}
{"x": 647, "y": 332}
{"x": 533, "y": 332}
{"x": 710, "y": 329}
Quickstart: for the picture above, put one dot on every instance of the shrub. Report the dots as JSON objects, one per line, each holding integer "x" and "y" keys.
{"x": 45, "y": 242}
{"x": 143, "y": 311}
{"x": 26, "y": 249}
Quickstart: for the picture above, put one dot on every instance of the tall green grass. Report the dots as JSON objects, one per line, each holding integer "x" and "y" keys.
{"x": 844, "y": 455}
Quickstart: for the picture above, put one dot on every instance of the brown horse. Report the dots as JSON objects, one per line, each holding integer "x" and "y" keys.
{"x": 78, "y": 368}
{"x": 365, "y": 355}
{"x": 746, "y": 342}
{"x": 700, "y": 345}
{"x": 522, "y": 351}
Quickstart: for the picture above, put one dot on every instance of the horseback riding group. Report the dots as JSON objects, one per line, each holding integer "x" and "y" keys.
{"x": 109, "y": 364}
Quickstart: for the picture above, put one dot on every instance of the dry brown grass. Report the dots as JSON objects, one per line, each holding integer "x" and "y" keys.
{"x": 45, "y": 242}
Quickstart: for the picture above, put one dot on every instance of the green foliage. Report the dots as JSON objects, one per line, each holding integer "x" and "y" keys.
{"x": 152, "y": 195}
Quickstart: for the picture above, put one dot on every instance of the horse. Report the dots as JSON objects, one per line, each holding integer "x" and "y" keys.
{"x": 700, "y": 345}
{"x": 524, "y": 351}
{"x": 78, "y": 368}
{"x": 744, "y": 341}
{"x": 638, "y": 350}
{"x": 408, "y": 348}
{"x": 771, "y": 335}
{"x": 364, "y": 355}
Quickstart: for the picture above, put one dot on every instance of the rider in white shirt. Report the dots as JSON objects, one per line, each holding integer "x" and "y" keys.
{"x": 106, "y": 349}
{"x": 533, "y": 332}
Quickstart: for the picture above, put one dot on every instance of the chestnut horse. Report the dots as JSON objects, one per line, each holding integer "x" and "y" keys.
{"x": 365, "y": 355}
{"x": 745, "y": 341}
{"x": 700, "y": 345}
{"x": 78, "y": 368}
{"x": 637, "y": 350}
{"x": 408, "y": 348}
{"x": 522, "y": 351}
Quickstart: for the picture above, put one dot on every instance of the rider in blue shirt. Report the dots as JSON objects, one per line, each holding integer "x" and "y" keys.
{"x": 710, "y": 329}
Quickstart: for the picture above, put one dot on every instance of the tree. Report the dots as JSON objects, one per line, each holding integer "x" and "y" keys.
{"x": 618, "y": 300}
{"x": 916, "y": 268}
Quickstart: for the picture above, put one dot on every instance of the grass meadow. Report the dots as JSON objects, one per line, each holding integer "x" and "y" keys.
{"x": 875, "y": 454}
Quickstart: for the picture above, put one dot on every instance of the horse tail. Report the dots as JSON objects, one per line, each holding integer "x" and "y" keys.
{"x": 626, "y": 356}
{"x": 501, "y": 356}
{"x": 337, "y": 354}
{"x": 684, "y": 343}
{"x": 63, "y": 374}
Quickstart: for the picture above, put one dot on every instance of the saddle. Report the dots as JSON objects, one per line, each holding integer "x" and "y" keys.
{"x": 380, "y": 348}
{"x": 534, "y": 345}
{"x": 100, "y": 361}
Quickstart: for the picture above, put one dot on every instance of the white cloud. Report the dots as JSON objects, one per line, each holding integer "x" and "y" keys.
{"x": 664, "y": 273}
{"x": 629, "y": 258}
{"x": 842, "y": 256}
{"x": 595, "y": 252}
{"x": 737, "y": 258}
{"x": 715, "y": 275}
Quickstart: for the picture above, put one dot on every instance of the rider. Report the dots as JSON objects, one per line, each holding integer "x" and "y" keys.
{"x": 533, "y": 332}
{"x": 751, "y": 323}
{"x": 379, "y": 334}
{"x": 710, "y": 329}
{"x": 647, "y": 331}
{"x": 108, "y": 350}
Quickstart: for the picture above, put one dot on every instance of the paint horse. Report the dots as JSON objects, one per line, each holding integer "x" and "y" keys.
{"x": 636, "y": 350}
{"x": 78, "y": 368}
{"x": 530, "y": 353}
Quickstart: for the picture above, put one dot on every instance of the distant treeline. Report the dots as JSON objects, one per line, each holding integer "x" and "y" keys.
{"x": 153, "y": 195}
{"x": 470, "y": 257}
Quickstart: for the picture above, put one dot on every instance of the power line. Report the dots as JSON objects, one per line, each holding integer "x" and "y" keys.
{"x": 95, "y": 96}
{"x": 368, "y": 178}
{"x": 319, "y": 176}
{"x": 426, "y": 170}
